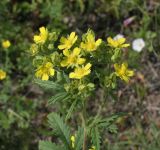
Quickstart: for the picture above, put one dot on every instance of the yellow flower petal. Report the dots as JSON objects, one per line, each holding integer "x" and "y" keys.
{"x": 38, "y": 74}
{"x": 76, "y": 51}
{"x": 130, "y": 73}
{"x": 72, "y": 75}
{"x": 72, "y": 36}
{"x": 82, "y": 45}
{"x": 2, "y": 74}
{"x": 110, "y": 40}
{"x": 124, "y": 66}
{"x": 51, "y": 71}
{"x": 42, "y": 30}
{"x": 66, "y": 52}
{"x": 45, "y": 77}
{"x": 61, "y": 47}
{"x": 121, "y": 41}
{"x": 98, "y": 42}
{"x": 87, "y": 72}
{"x": 125, "y": 78}
{"x": 49, "y": 65}
{"x": 81, "y": 61}
{"x": 88, "y": 66}
{"x": 125, "y": 45}
{"x": 64, "y": 63}
{"x": 37, "y": 39}
{"x": 90, "y": 37}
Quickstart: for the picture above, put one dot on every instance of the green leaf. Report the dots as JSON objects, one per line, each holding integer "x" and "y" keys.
{"x": 53, "y": 9}
{"x": 95, "y": 138}
{"x": 58, "y": 97}
{"x": 112, "y": 128}
{"x": 116, "y": 55}
{"x": 79, "y": 139}
{"x": 47, "y": 145}
{"x": 60, "y": 129}
{"x": 110, "y": 120}
{"x": 48, "y": 84}
{"x": 71, "y": 110}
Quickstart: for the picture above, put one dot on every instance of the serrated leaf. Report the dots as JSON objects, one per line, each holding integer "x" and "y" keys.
{"x": 66, "y": 77}
{"x": 71, "y": 110}
{"x": 112, "y": 128}
{"x": 48, "y": 84}
{"x": 110, "y": 120}
{"x": 95, "y": 138}
{"x": 60, "y": 129}
{"x": 79, "y": 139}
{"x": 58, "y": 97}
{"x": 47, "y": 145}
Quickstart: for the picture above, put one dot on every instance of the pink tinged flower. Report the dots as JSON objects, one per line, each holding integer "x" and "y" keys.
{"x": 128, "y": 21}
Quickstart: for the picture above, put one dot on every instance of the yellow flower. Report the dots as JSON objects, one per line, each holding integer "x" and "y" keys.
{"x": 66, "y": 43}
{"x": 123, "y": 72}
{"x": 2, "y": 74}
{"x": 6, "y": 44}
{"x": 73, "y": 141}
{"x": 118, "y": 43}
{"x": 34, "y": 49}
{"x": 90, "y": 44}
{"x": 93, "y": 148}
{"x": 80, "y": 72}
{"x": 43, "y": 72}
{"x": 42, "y": 37}
{"x": 72, "y": 58}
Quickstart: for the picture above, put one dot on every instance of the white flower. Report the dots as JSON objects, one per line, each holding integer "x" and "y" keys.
{"x": 118, "y": 36}
{"x": 138, "y": 44}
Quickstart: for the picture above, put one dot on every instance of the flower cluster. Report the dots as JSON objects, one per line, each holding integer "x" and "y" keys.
{"x": 75, "y": 57}
{"x": 121, "y": 70}
{"x": 71, "y": 55}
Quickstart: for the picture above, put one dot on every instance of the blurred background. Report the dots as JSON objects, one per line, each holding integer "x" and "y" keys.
{"x": 23, "y": 105}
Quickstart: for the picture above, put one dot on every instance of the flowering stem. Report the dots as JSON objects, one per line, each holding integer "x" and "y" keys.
{"x": 7, "y": 60}
{"x": 83, "y": 118}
